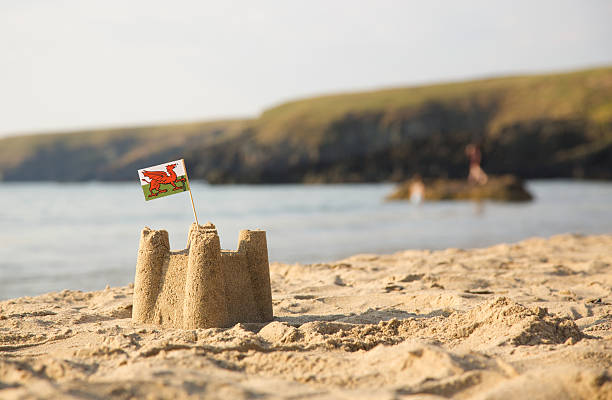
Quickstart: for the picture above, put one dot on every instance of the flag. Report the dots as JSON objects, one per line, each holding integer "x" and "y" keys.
{"x": 164, "y": 179}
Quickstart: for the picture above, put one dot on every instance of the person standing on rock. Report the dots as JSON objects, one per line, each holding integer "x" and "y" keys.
{"x": 477, "y": 175}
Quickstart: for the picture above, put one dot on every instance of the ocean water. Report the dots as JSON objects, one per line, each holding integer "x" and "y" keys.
{"x": 84, "y": 236}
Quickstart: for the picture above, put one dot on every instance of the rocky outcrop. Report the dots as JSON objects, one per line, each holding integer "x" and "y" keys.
{"x": 498, "y": 188}
{"x": 539, "y": 149}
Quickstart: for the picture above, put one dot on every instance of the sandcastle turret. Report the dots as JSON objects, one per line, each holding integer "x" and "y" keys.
{"x": 202, "y": 286}
{"x": 255, "y": 247}
{"x": 153, "y": 255}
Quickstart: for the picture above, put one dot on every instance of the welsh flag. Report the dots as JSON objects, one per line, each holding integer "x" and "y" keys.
{"x": 164, "y": 179}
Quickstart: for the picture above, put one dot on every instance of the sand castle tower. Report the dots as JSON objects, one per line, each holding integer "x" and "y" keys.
{"x": 202, "y": 286}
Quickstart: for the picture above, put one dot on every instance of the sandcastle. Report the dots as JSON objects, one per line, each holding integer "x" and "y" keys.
{"x": 202, "y": 286}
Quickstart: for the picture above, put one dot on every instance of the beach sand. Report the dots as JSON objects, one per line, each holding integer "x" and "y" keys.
{"x": 531, "y": 320}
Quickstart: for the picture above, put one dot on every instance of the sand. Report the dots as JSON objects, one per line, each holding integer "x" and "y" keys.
{"x": 531, "y": 320}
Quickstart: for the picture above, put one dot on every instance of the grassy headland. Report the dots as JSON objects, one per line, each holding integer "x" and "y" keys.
{"x": 557, "y": 125}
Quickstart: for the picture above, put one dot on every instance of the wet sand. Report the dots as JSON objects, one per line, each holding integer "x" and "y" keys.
{"x": 526, "y": 320}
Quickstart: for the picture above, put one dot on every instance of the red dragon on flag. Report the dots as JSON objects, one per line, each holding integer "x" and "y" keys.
{"x": 153, "y": 180}
{"x": 157, "y": 180}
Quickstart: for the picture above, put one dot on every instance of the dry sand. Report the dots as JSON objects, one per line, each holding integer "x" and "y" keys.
{"x": 531, "y": 320}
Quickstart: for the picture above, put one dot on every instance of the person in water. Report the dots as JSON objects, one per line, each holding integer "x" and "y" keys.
{"x": 417, "y": 189}
{"x": 477, "y": 175}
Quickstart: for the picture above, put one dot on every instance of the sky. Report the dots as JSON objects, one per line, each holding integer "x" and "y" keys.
{"x": 79, "y": 64}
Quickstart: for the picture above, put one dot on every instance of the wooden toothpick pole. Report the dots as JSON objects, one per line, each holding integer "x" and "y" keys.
{"x": 190, "y": 196}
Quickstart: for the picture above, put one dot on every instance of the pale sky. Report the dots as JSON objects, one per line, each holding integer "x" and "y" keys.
{"x": 84, "y": 64}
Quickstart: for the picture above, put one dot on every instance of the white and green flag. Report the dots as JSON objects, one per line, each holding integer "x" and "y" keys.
{"x": 163, "y": 179}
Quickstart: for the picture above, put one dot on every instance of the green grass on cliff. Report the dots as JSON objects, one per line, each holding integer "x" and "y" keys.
{"x": 585, "y": 95}
{"x": 135, "y": 144}
{"x": 521, "y": 98}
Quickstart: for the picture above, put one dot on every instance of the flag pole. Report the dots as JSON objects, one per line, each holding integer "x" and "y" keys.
{"x": 190, "y": 196}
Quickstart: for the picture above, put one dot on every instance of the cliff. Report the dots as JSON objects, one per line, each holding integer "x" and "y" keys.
{"x": 538, "y": 126}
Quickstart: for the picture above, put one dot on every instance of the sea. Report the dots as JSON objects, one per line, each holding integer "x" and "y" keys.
{"x": 84, "y": 236}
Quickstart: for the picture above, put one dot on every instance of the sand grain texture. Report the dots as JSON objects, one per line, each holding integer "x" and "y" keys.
{"x": 526, "y": 320}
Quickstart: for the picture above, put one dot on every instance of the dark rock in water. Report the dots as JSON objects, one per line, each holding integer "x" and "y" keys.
{"x": 498, "y": 188}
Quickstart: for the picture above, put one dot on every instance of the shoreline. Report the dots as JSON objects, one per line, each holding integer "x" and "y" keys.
{"x": 505, "y": 321}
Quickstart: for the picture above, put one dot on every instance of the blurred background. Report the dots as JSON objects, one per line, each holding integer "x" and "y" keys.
{"x": 299, "y": 118}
